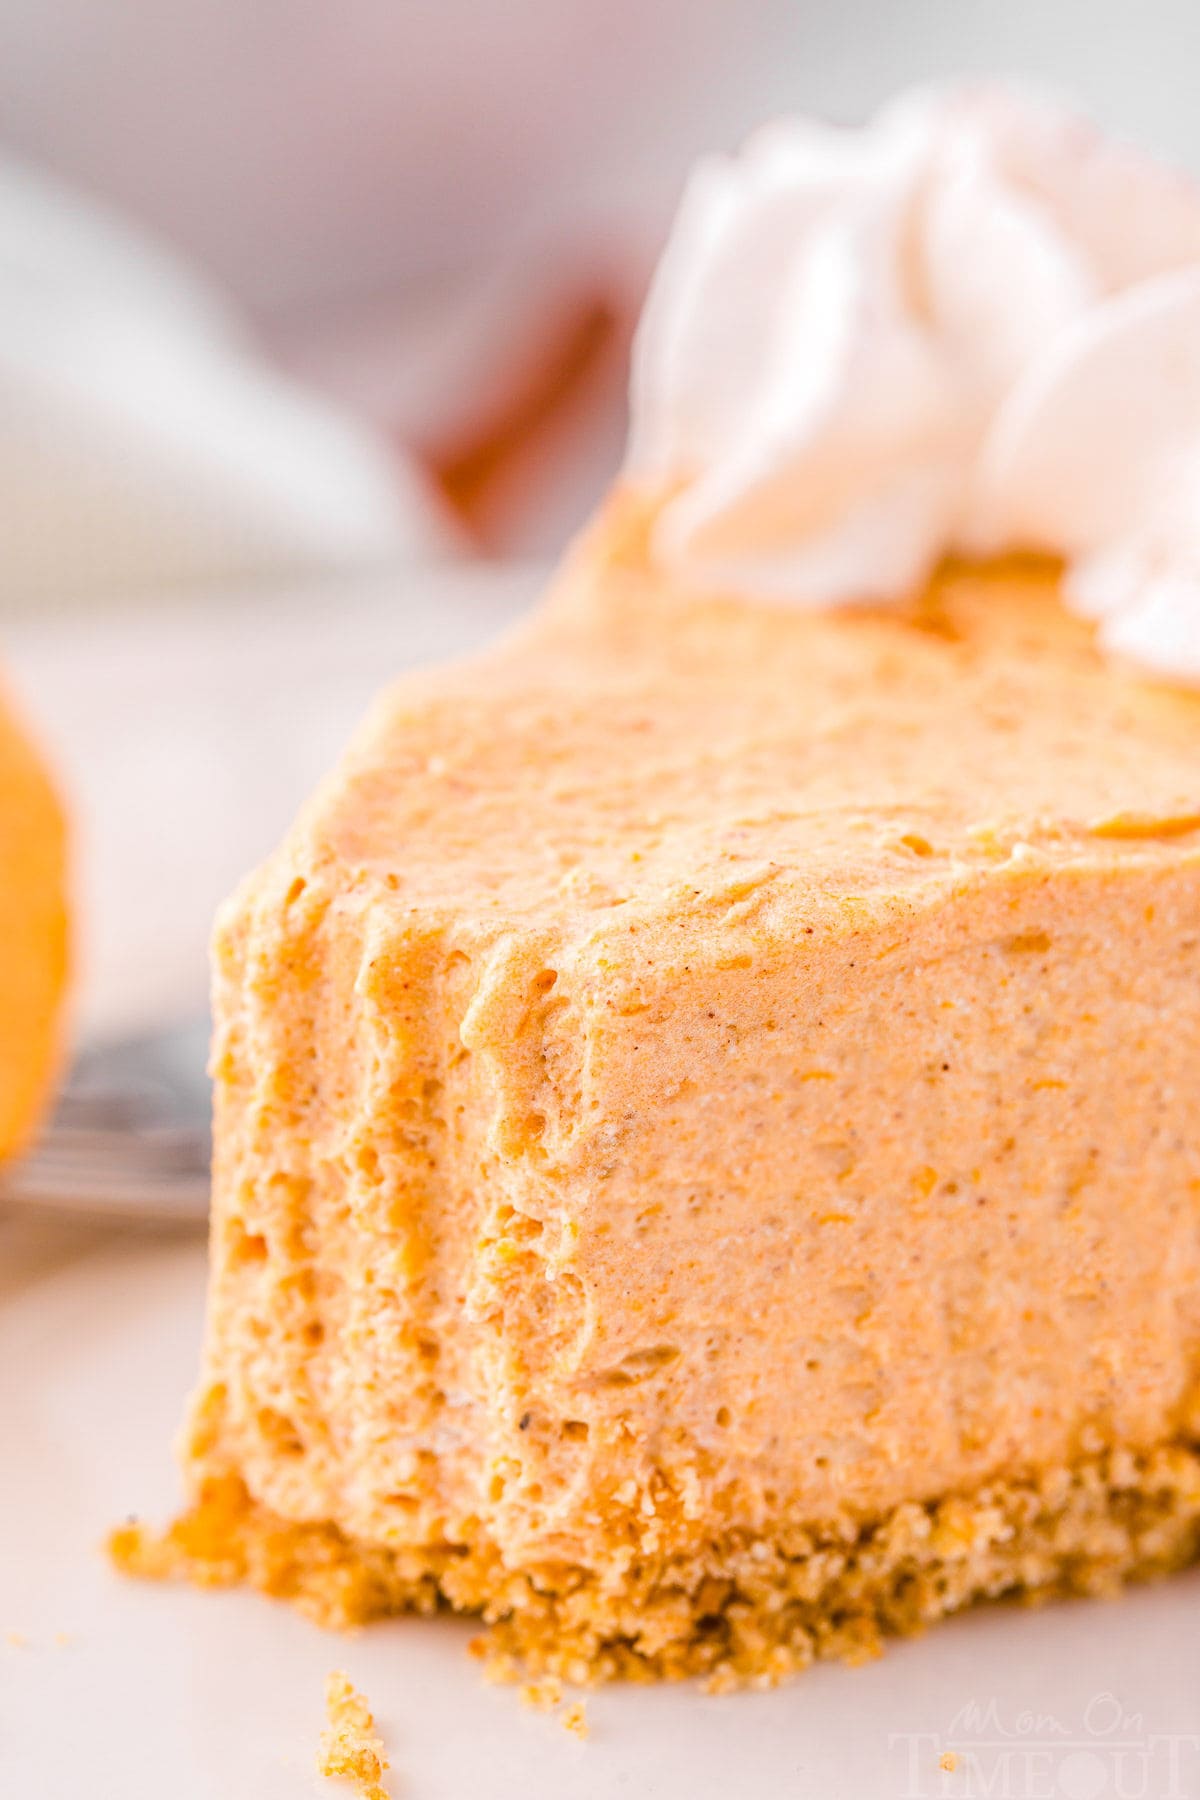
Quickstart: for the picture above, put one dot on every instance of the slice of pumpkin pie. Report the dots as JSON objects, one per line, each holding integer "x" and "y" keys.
{"x": 707, "y": 1093}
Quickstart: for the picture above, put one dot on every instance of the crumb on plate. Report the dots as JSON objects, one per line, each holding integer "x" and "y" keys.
{"x": 543, "y": 1695}
{"x": 350, "y": 1750}
{"x": 575, "y": 1719}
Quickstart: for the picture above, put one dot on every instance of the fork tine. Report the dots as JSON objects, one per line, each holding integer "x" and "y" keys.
{"x": 182, "y": 1199}
{"x": 181, "y": 1152}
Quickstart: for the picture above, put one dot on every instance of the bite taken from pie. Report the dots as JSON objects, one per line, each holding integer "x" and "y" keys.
{"x": 707, "y": 1153}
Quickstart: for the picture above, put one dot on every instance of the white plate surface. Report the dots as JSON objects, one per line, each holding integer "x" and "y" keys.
{"x": 127, "y": 1692}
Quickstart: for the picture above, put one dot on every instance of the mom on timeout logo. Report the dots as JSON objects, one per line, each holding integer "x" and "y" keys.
{"x": 1105, "y": 1754}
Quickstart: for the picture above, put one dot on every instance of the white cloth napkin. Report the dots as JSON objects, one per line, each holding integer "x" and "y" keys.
{"x": 144, "y": 443}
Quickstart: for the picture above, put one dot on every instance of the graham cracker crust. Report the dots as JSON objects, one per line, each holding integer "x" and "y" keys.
{"x": 744, "y": 1610}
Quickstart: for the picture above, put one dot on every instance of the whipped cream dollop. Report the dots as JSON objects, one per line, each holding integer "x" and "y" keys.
{"x": 973, "y": 326}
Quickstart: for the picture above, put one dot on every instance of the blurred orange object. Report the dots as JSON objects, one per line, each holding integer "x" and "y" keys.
{"x": 547, "y": 396}
{"x": 33, "y": 932}
{"x": 507, "y": 385}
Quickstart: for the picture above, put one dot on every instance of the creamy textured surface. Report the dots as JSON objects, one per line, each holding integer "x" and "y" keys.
{"x": 974, "y": 325}
{"x": 33, "y": 932}
{"x": 709, "y": 1067}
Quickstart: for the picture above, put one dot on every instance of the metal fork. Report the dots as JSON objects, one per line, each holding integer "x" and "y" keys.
{"x": 129, "y": 1140}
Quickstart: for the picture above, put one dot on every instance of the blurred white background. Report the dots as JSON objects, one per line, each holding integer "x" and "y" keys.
{"x": 431, "y": 207}
{"x": 310, "y": 153}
